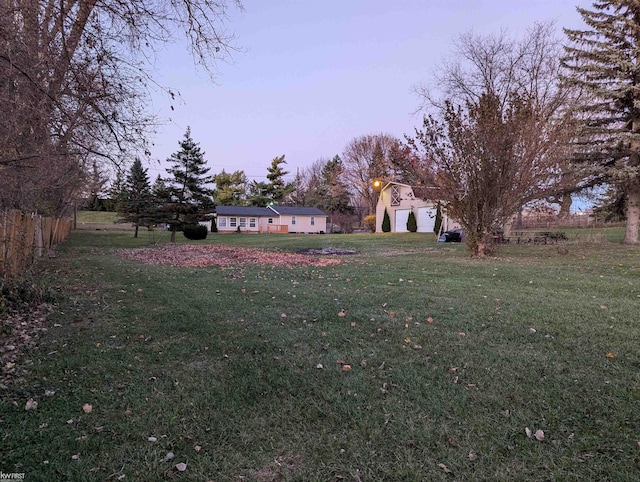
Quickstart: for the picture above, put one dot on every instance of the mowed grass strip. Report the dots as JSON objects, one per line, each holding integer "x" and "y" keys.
{"x": 407, "y": 361}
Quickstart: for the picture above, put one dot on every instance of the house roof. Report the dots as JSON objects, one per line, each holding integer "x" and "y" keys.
{"x": 391, "y": 183}
{"x": 268, "y": 211}
{"x": 298, "y": 211}
{"x": 420, "y": 191}
{"x": 243, "y": 211}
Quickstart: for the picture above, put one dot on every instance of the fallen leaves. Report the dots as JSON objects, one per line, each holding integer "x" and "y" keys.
{"x": 87, "y": 408}
{"x": 218, "y": 255}
{"x": 20, "y": 331}
{"x": 538, "y": 434}
{"x": 611, "y": 355}
{"x": 31, "y": 404}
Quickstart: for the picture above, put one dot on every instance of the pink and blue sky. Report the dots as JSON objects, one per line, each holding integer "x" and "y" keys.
{"x": 314, "y": 75}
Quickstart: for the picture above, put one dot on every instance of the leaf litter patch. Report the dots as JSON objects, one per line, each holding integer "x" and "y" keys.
{"x": 190, "y": 255}
{"x": 328, "y": 251}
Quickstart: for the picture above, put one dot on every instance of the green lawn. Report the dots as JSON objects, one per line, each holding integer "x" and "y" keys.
{"x": 451, "y": 360}
{"x": 96, "y": 217}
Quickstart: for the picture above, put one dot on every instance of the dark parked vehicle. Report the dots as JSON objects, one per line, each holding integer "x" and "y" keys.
{"x": 452, "y": 236}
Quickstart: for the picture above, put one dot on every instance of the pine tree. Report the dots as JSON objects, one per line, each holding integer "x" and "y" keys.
{"x": 386, "y": 222}
{"x": 337, "y": 198}
{"x": 412, "y": 224}
{"x": 134, "y": 204}
{"x": 278, "y": 188}
{"x": 185, "y": 198}
{"x": 604, "y": 61}
{"x": 117, "y": 191}
{"x": 231, "y": 188}
{"x": 257, "y": 194}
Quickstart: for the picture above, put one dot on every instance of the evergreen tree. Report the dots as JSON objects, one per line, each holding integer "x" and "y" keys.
{"x": 438, "y": 221}
{"x": 258, "y": 194}
{"x": 231, "y": 188}
{"x": 185, "y": 199}
{"x": 412, "y": 224}
{"x": 603, "y": 61}
{"x": 336, "y": 192}
{"x": 278, "y": 188}
{"x": 116, "y": 191}
{"x": 611, "y": 205}
{"x": 134, "y": 204}
{"x": 386, "y": 222}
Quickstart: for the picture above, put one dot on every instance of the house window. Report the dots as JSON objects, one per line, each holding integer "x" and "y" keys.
{"x": 233, "y": 222}
{"x": 313, "y": 220}
{"x": 270, "y": 221}
{"x": 252, "y": 222}
{"x": 222, "y": 222}
{"x": 395, "y": 195}
{"x": 243, "y": 222}
{"x": 293, "y": 220}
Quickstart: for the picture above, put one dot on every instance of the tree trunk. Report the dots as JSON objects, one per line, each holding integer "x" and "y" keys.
{"x": 633, "y": 215}
{"x": 135, "y": 234}
{"x": 565, "y": 206}
{"x": 173, "y": 235}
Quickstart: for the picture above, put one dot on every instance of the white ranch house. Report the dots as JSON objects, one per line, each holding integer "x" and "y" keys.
{"x": 399, "y": 200}
{"x": 270, "y": 219}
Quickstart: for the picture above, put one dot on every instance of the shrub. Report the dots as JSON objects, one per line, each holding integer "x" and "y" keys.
{"x": 370, "y": 222}
{"x": 412, "y": 224}
{"x": 195, "y": 231}
{"x": 386, "y": 222}
{"x": 438, "y": 223}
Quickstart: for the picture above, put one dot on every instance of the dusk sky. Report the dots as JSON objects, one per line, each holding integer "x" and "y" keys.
{"x": 314, "y": 75}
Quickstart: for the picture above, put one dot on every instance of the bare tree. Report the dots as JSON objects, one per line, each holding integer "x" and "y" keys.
{"x": 499, "y": 136}
{"x": 366, "y": 159}
{"x": 74, "y": 83}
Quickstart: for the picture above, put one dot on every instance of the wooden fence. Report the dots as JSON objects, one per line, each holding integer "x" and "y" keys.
{"x": 26, "y": 237}
{"x": 553, "y": 221}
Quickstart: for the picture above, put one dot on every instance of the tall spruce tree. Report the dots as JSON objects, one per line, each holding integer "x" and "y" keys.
{"x": 134, "y": 203}
{"x": 278, "y": 187}
{"x": 604, "y": 61}
{"x": 185, "y": 198}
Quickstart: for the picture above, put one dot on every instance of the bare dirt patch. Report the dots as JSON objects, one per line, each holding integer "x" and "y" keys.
{"x": 217, "y": 255}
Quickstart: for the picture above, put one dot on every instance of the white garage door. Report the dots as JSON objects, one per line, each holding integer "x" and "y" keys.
{"x": 402, "y": 215}
{"x": 426, "y": 218}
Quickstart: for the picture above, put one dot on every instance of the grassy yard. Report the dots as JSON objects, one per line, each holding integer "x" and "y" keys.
{"x": 405, "y": 362}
